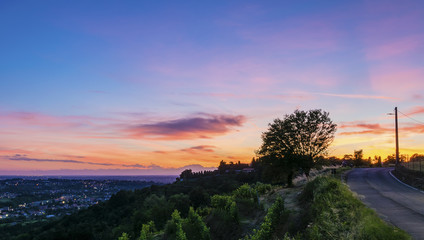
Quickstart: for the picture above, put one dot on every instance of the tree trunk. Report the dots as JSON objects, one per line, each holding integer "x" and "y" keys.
{"x": 290, "y": 179}
{"x": 307, "y": 171}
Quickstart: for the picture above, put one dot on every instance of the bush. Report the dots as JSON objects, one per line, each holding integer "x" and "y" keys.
{"x": 147, "y": 231}
{"x": 224, "y": 218}
{"x": 173, "y": 228}
{"x": 194, "y": 227}
{"x": 262, "y": 188}
{"x": 124, "y": 236}
{"x": 275, "y": 216}
{"x": 245, "y": 192}
{"x": 221, "y": 201}
{"x": 225, "y": 208}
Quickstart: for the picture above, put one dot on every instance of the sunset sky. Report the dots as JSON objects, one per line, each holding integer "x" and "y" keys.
{"x": 150, "y": 87}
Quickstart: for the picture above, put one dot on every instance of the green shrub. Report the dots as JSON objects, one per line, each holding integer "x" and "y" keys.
{"x": 245, "y": 192}
{"x": 173, "y": 228}
{"x": 124, "y": 236}
{"x": 221, "y": 201}
{"x": 275, "y": 216}
{"x": 147, "y": 231}
{"x": 224, "y": 218}
{"x": 262, "y": 188}
{"x": 194, "y": 227}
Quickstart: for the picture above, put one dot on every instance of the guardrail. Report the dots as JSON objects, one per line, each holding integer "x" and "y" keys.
{"x": 415, "y": 165}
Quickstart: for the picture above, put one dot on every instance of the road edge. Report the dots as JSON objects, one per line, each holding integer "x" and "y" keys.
{"x": 393, "y": 176}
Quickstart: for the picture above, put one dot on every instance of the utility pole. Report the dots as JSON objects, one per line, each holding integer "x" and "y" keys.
{"x": 397, "y": 137}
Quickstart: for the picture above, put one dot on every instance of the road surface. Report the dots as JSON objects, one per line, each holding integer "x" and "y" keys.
{"x": 393, "y": 201}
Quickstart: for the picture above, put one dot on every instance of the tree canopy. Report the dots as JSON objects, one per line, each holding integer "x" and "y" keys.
{"x": 297, "y": 140}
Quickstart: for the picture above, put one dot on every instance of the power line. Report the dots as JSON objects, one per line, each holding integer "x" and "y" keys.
{"x": 422, "y": 123}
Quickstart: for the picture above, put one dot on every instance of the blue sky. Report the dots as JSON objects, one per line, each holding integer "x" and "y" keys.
{"x": 85, "y": 80}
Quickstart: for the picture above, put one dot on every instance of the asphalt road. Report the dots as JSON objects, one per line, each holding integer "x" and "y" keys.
{"x": 393, "y": 201}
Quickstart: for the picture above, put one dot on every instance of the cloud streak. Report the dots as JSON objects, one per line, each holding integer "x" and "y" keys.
{"x": 199, "y": 149}
{"x": 378, "y": 129}
{"x": 356, "y": 96}
{"x": 366, "y": 128}
{"x": 415, "y": 111}
{"x": 19, "y": 157}
{"x": 187, "y": 128}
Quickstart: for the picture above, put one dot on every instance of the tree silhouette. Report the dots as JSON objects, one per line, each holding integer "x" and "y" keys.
{"x": 358, "y": 155}
{"x": 296, "y": 141}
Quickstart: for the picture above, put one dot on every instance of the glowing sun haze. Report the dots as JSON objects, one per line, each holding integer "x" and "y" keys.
{"x": 148, "y": 87}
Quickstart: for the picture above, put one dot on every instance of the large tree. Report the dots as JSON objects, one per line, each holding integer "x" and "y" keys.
{"x": 296, "y": 141}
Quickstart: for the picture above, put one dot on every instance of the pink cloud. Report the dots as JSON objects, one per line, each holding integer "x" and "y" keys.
{"x": 415, "y": 110}
{"x": 396, "y": 80}
{"x": 33, "y": 119}
{"x": 356, "y": 96}
{"x": 199, "y": 149}
{"x": 301, "y": 96}
{"x": 378, "y": 129}
{"x": 389, "y": 21}
{"x": 366, "y": 128}
{"x": 37, "y": 119}
{"x": 395, "y": 48}
{"x": 19, "y": 157}
{"x": 417, "y": 97}
{"x": 187, "y": 128}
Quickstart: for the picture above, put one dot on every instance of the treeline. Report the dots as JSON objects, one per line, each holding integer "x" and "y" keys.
{"x": 223, "y": 168}
{"x": 356, "y": 159}
{"x": 264, "y": 169}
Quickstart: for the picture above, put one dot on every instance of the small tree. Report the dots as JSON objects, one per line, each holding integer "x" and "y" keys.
{"x": 174, "y": 229}
{"x": 297, "y": 140}
{"x": 147, "y": 231}
{"x": 124, "y": 236}
{"x": 358, "y": 155}
{"x": 194, "y": 227}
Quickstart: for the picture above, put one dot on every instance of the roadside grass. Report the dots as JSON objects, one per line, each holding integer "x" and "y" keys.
{"x": 332, "y": 212}
{"x": 341, "y": 173}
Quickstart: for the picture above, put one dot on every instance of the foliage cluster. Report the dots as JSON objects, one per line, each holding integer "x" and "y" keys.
{"x": 262, "y": 188}
{"x": 275, "y": 216}
{"x": 147, "y": 231}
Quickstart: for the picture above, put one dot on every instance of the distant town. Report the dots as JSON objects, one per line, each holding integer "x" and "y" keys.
{"x": 31, "y": 199}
